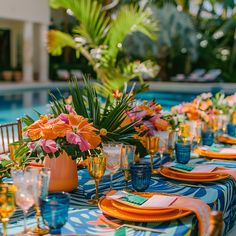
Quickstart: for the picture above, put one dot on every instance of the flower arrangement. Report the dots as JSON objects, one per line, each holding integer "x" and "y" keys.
{"x": 148, "y": 117}
{"x": 51, "y": 135}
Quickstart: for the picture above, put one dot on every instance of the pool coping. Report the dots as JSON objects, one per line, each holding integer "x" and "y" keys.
{"x": 154, "y": 86}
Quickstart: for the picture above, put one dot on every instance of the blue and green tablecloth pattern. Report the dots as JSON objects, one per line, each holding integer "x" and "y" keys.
{"x": 220, "y": 195}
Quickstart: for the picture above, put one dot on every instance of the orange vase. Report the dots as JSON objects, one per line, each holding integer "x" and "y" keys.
{"x": 64, "y": 175}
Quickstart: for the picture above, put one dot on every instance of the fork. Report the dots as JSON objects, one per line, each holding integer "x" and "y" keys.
{"x": 136, "y": 227}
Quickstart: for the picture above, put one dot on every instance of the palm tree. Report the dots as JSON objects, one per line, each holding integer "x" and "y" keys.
{"x": 99, "y": 37}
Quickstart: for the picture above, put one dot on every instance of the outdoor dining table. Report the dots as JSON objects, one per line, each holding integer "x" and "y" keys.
{"x": 83, "y": 218}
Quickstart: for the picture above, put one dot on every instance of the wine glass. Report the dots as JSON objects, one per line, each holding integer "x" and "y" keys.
{"x": 151, "y": 144}
{"x": 198, "y": 133}
{"x": 184, "y": 132}
{"x": 96, "y": 169}
{"x": 112, "y": 151}
{"x": 7, "y": 203}
{"x": 163, "y": 142}
{"x": 24, "y": 194}
{"x": 171, "y": 142}
{"x": 127, "y": 158}
{"x": 38, "y": 186}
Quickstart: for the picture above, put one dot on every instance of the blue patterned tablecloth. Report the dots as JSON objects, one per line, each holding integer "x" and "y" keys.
{"x": 218, "y": 195}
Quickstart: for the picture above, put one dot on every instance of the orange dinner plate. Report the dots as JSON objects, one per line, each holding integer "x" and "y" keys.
{"x": 109, "y": 209}
{"x": 227, "y": 139}
{"x": 192, "y": 177}
{"x": 211, "y": 154}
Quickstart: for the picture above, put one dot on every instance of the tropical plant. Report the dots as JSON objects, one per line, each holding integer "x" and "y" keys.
{"x": 99, "y": 37}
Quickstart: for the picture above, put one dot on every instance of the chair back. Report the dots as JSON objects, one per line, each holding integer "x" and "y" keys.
{"x": 9, "y": 133}
{"x": 216, "y": 224}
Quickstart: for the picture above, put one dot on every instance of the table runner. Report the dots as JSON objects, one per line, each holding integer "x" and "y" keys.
{"x": 218, "y": 195}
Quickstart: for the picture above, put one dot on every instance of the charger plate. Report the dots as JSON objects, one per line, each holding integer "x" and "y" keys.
{"x": 109, "y": 209}
{"x": 227, "y": 139}
{"x": 192, "y": 177}
{"x": 212, "y": 154}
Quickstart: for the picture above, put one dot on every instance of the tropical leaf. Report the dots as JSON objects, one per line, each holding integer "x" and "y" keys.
{"x": 130, "y": 19}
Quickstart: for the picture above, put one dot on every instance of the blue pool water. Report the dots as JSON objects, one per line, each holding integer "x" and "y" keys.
{"x": 16, "y": 104}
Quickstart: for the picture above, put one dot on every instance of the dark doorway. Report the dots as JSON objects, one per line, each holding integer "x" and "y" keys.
{"x": 5, "y": 49}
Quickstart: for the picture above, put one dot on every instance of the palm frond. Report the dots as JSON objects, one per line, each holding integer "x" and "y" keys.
{"x": 130, "y": 19}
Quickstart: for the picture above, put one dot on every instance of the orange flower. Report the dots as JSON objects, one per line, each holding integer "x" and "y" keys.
{"x": 117, "y": 94}
{"x": 34, "y": 130}
{"x": 82, "y": 127}
{"x": 161, "y": 124}
{"x": 204, "y": 105}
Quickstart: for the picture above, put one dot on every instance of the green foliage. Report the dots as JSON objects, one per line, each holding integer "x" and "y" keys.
{"x": 109, "y": 116}
{"x": 99, "y": 37}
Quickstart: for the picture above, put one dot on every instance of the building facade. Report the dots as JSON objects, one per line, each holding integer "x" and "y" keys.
{"x": 23, "y": 28}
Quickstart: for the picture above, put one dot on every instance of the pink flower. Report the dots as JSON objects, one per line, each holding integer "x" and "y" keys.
{"x": 84, "y": 145}
{"x": 79, "y": 140}
{"x": 73, "y": 138}
{"x": 31, "y": 146}
{"x": 70, "y": 109}
{"x": 64, "y": 118}
{"x": 49, "y": 146}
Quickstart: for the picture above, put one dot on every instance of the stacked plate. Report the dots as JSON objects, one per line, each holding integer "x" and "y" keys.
{"x": 136, "y": 213}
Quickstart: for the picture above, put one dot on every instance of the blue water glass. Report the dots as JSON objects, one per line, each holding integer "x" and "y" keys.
{"x": 207, "y": 137}
{"x": 140, "y": 176}
{"x": 55, "y": 211}
{"x": 182, "y": 152}
{"x": 231, "y": 130}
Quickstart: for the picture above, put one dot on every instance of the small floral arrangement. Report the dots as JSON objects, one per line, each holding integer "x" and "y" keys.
{"x": 148, "y": 117}
{"x": 69, "y": 132}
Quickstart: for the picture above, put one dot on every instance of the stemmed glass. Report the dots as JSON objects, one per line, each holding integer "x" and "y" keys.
{"x": 112, "y": 151}
{"x": 163, "y": 142}
{"x": 7, "y": 203}
{"x": 96, "y": 169}
{"x": 40, "y": 178}
{"x": 198, "y": 133}
{"x": 151, "y": 144}
{"x": 171, "y": 142}
{"x": 127, "y": 158}
{"x": 24, "y": 195}
{"x": 184, "y": 132}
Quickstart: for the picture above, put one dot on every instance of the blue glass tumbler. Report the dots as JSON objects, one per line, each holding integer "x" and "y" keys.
{"x": 55, "y": 211}
{"x": 207, "y": 137}
{"x": 140, "y": 176}
{"x": 231, "y": 130}
{"x": 182, "y": 152}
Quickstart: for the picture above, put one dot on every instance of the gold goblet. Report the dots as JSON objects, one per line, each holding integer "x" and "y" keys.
{"x": 184, "y": 132}
{"x": 96, "y": 169}
{"x": 7, "y": 204}
{"x": 151, "y": 143}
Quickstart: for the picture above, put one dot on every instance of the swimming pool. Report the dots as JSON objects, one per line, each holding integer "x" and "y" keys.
{"x": 16, "y": 104}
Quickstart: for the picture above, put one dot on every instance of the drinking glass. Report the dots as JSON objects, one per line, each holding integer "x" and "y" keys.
{"x": 163, "y": 142}
{"x": 112, "y": 151}
{"x": 127, "y": 158}
{"x": 39, "y": 175}
{"x": 24, "y": 194}
{"x": 151, "y": 144}
{"x": 7, "y": 203}
{"x": 198, "y": 133}
{"x": 55, "y": 211}
{"x": 184, "y": 132}
{"x": 207, "y": 137}
{"x": 183, "y": 152}
{"x": 171, "y": 143}
{"x": 140, "y": 176}
{"x": 96, "y": 169}
{"x": 231, "y": 130}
